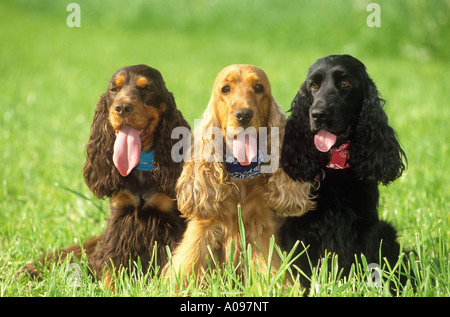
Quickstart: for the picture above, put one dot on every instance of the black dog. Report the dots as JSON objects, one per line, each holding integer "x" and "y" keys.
{"x": 339, "y": 134}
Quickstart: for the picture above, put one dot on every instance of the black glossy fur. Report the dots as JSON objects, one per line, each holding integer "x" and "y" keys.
{"x": 346, "y": 220}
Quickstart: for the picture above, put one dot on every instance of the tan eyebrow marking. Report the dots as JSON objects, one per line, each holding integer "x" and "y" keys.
{"x": 142, "y": 82}
{"x": 119, "y": 80}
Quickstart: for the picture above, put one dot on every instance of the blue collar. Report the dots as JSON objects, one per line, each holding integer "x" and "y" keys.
{"x": 236, "y": 170}
{"x": 146, "y": 161}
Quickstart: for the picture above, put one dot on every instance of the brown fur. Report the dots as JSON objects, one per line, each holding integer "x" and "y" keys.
{"x": 142, "y": 204}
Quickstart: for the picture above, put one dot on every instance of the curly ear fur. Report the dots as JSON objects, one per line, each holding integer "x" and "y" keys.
{"x": 286, "y": 196}
{"x": 166, "y": 171}
{"x": 203, "y": 185}
{"x": 289, "y": 197}
{"x": 375, "y": 153}
{"x": 277, "y": 119}
{"x": 100, "y": 174}
{"x": 299, "y": 157}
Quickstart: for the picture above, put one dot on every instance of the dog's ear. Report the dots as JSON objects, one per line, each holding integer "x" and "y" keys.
{"x": 299, "y": 157}
{"x": 284, "y": 194}
{"x": 166, "y": 170}
{"x": 204, "y": 182}
{"x": 375, "y": 152}
{"x": 276, "y": 122}
{"x": 100, "y": 174}
{"x": 289, "y": 197}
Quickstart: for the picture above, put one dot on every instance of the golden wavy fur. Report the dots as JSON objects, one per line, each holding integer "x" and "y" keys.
{"x": 209, "y": 197}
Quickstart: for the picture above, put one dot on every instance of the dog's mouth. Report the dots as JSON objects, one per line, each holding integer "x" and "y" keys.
{"x": 144, "y": 134}
{"x": 324, "y": 140}
{"x": 244, "y": 147}
{"x": 127, "y": 147}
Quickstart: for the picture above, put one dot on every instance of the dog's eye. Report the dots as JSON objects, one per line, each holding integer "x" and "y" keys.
{"x": 114, "y": 89}
{"x": 259, "y": 88}
{"x": 314, "y": 86}
{"x": 147, "y": 89}
{"x": 345, "y": 84}
{"x": 226, "y": 89}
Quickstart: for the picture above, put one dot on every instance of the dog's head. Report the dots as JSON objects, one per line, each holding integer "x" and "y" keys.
{"x": 335, "y": 89}
{"x": 242, "y": 97}
{"x": 338, "y": 104}
{"x": 136, "y": 114}
{"x": 135, "y": 99}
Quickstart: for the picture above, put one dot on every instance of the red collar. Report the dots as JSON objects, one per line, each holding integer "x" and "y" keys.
{"x": 339, "y": 157}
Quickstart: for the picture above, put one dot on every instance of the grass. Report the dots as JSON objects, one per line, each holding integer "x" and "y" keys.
{"x": 53, "y": 75}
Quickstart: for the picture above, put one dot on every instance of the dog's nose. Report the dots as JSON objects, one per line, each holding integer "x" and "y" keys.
{"x": 320, "y": 113}
{"x": 123, "y": 109}
{"x": 317, "y": 114}
{"x": 243, "y": 116}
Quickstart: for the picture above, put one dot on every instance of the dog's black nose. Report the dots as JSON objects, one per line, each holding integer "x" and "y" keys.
{"x": 123, "y": 109}
{"x": 243, "y": 116}
{"x": 320, "y": 113}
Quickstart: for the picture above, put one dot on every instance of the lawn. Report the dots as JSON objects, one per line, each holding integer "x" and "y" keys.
{"x": 52, "y": 76}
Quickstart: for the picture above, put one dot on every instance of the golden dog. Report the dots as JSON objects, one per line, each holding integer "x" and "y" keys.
{"x": 226, "y": 170}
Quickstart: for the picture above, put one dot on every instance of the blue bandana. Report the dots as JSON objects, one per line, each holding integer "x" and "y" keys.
{"x": 236, "y": 170}
{"x": 146, "y": 161}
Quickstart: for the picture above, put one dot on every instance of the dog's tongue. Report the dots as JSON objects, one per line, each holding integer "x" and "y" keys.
{"x": 324, "y": 140}
{"x": 244, "y": 149}
{"x": 127, "y": 149}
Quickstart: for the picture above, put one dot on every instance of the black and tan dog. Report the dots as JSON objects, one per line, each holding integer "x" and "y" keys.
{"x": 129, "y": 161}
